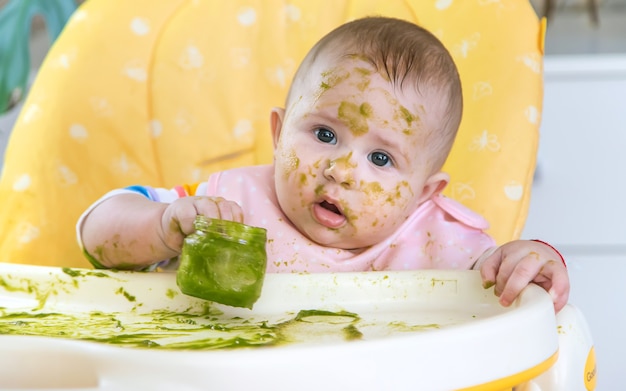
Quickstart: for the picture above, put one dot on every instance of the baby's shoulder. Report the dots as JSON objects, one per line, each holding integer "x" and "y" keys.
{"x": 460, "y": 212}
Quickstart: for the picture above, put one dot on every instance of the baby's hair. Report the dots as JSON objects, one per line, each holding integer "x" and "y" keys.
{"x": 405, "y": 53}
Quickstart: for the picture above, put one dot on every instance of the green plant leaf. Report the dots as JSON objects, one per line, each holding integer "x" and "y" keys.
{"x": 15, "y": 22}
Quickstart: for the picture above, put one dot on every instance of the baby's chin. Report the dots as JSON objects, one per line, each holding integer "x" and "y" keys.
{"x": 333, "y": 241}
{"x": 341, "y": 238}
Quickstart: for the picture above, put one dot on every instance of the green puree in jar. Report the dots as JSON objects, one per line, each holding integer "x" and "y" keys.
{"x": 224, "y": 262}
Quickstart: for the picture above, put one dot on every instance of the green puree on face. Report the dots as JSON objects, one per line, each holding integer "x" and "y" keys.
{"x": 224, "y": 262}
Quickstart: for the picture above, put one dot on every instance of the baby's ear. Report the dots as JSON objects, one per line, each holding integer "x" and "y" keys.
{"x": 276, "y": 123}
{"x": 434, "y": 185}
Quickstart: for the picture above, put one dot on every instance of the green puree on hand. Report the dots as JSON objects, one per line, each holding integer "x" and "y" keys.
{"x": 224, "y": 262}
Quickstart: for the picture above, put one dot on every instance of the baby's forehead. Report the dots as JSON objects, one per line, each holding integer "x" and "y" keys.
{"x": 329, "y": 64}
{"x": 355, "y": 78}
{"x": 340, "y": 75}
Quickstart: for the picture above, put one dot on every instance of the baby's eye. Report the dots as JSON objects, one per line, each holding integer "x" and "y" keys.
{"x": 379, "y": 158}
{"x": 325, "y": 136}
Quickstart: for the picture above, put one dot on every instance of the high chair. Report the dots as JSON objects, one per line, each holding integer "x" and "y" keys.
{"x": 164, "y": 93}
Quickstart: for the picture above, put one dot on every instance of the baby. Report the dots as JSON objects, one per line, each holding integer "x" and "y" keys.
{"x": 356, "y": 183}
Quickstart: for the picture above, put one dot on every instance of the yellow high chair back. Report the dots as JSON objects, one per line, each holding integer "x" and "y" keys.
{"x": 167, "y": 92}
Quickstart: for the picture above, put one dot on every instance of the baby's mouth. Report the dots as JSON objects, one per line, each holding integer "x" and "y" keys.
{"x": 329, "y": 215}
{"x": 331, "y": 207}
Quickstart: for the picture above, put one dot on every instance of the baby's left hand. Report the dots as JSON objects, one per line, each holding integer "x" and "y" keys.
{"x": 514, "y": 265}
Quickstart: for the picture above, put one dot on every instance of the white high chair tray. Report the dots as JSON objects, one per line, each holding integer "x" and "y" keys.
{"x": 373, "y": 330}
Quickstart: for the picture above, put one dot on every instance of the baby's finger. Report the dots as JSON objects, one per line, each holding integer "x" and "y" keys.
{"x": 180, "y": 217}
{"x": 219, "y": 208}
{"x": 559, "y": 283}
{"x": 489, "y": 264}
{"x": 208, "y": 207}
{"x": 230, "y": 211}
{"x": 511, "y": 284}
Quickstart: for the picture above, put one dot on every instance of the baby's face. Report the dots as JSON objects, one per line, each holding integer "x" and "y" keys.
{"x": 351, "y": 162}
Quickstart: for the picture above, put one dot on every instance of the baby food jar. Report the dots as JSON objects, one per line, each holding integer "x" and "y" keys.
{"x": 223, "y": 261}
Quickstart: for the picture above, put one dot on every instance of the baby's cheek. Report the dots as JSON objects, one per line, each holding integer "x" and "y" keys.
{"x": 399, "y": 198}
{"x": 373, "y": 193}
{"x": 392, "y": 206}
{"x": 288, "y": 162}
{"x": 302, "y": 180}
{"x": 404, "y": 195}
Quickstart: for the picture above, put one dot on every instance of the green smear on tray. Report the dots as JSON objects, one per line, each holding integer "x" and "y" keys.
{"x": 174, "y": 331}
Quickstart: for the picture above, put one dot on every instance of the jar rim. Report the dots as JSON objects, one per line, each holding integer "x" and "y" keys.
{"x": 227, "y": 227}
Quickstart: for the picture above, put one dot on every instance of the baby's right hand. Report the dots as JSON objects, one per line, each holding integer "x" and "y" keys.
{"x": 177, "y": 219}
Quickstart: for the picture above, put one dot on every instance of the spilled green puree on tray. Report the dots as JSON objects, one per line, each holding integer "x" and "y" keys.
{"x": 196, "y": 325}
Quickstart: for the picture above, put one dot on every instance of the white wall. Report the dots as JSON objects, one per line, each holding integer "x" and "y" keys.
{"x": 578, "y": 201}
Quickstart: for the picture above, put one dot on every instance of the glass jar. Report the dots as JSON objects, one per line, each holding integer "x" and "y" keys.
{"x": 223, "y": 261}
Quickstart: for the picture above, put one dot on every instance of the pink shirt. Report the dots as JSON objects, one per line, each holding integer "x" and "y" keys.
{"x": 441, "y": 234}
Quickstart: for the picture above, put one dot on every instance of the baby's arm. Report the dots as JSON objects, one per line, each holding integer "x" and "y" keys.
{"x": 514, "y": 265}
{"x": 130, "y": 231}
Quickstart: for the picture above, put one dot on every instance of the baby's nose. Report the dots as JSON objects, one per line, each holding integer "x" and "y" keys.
{"x": 341, "y": 171}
